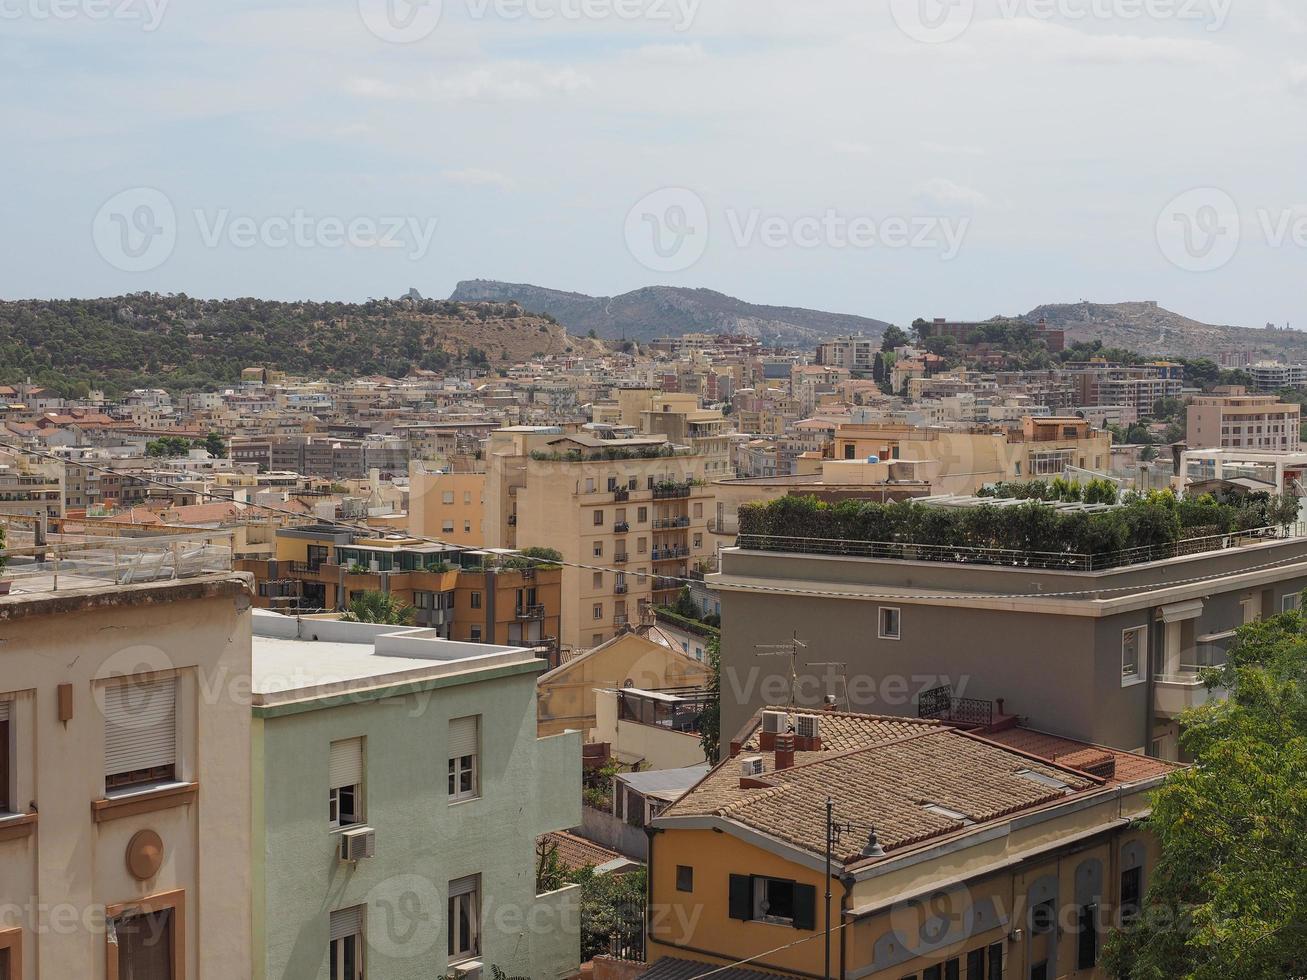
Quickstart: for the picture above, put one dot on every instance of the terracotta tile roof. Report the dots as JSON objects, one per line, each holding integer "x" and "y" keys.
{"x": 204, "y": 513}
{"x": 883, "y": 772}
{"x": 1113, "y": 764}
{"x": 669, "y": 968}
{"x": 577, "y": 852}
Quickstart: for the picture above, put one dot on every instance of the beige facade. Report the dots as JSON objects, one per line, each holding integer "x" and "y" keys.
{"x": 128, "y": 784}
{"x": 30, "y": 486}
{"x": 1242, "y": 421}
{"x": 631, "y": 508}
{"x": 447, "y": 506}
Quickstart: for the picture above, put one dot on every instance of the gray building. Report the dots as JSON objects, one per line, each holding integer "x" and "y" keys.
{"x": 1109, "y": 656}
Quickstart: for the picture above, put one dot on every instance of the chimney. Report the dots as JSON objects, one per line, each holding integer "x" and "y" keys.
{"x": 767, "y": 741}
{"x": 735, "y": 749}
{"x": 784, "y": 751}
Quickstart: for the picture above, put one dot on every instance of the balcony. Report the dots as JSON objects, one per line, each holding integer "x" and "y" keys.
{"x": 621, "y": 496}
{"x": 621, "y": 527}
{"x": 512, "y": 520}
{"x": 666, "y": 584}
{"x": 531, "y": 612}
{"x": 621, "y": 619}
{"x": 1174, "y": 694}
{"x": 670, "y": 523}
{"x": 671, "y": 491}
{"x": 621, "y": 559}
{"x": 621, "y": 589}
{"x": 670, "y": 554}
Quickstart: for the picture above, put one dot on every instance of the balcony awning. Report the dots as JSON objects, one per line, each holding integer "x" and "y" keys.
{"x": 1180, "y": 611}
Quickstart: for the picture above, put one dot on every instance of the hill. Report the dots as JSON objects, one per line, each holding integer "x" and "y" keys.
{"x": 1150, "y": 329}
{"x": 182, "y": 343}
{"x": 668, "y": 311}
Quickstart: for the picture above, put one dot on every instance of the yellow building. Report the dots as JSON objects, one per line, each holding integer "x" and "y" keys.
{"x": 633, "y": 509}
{"x": 969, "y": 458}
{"x": 448, "y": 506}
{"x": 566, "y": 695}
{"x": 992, "y": 854}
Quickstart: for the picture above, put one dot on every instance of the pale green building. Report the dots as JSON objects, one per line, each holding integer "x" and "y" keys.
{"x": 399, "y": 788}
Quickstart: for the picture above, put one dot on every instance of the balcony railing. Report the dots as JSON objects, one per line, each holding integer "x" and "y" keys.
{"x": 671, "y": 492}
{"x": 621, "y": 589}
{"x": 621, "y": 559}
{"x": 665, "y": 584}
{"x": 940, "y": 703}
{"x": 621, "y": 619}
{"x": 621, "y": 527}
{"x": 672, "y": 522}
{"x": 512, "y": 520}
{"x": 621, "y": 496}
{"x": 670, "y": 554}
{"x": 531, "y": 612}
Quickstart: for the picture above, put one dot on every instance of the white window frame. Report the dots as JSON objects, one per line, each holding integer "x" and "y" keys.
{"x": 335, "y": 793}
{"x": 464, "y": 895}
{"x": 338, "y": 947}
{"x": 1292, "y": 600}
{"x": 898, "y": 622}
{"x": 1140, "y": 674}
{"x": 461, "y": 765}
{"x": 761, "y": 884}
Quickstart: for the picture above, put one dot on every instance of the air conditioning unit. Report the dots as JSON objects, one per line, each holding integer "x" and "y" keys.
{"x": 774, "y": 722}
{"x": 808, "y": 726}
{"x": 751, "y": 765}
{"x": 358, "y": 843}
{"x": 467, "y": 971}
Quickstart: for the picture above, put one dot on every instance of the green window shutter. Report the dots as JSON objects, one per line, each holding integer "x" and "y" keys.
{"x": 741, "y": 902}
{"x": 805, "y": 906}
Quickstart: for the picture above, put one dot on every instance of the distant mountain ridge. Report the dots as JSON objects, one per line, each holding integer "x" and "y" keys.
{"x": 669, "y": 311}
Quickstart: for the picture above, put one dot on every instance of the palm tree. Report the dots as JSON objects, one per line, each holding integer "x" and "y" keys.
{"x": 378, "y": 607}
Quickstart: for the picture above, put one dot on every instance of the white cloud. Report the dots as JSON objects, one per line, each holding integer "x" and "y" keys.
{"x": 950, "y": 195}
{"x": 476, "y": 177}
{"x": 498, "y": 83}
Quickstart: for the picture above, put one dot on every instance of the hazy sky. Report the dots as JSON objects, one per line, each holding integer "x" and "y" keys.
{"x": 893, "y": 159}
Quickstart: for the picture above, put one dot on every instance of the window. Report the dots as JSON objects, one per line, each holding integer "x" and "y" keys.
{"x": 935, "y": 972}
{"x": 6, "y": 741}
{"x": 642, "y": 514}
{"x": 474, "y": 634}
{"x": 1087, "y": 938}
{"x": 447, "y": 497}
{"x": 698, "y": 510}
{"x": 599, "y": 549}
{"x": 641, "y": 546}
{"x": 599, "y": 518}
{"x": 467, "y": 527}
{"x": 889, "y": 623}
{"x": 140, "y": 732}
{"x": 476, "y": 600}
{"x": 598, "y": 580}
{"x": 1290, "y": 602}
{"x": 976, "y": 964}
{"x": 598, "y": 610}
{"x": 345, "y": 783}
{"x": 145, "y": 944}
{"x": 464, "y": 918}
{"x": 1042, "y": 918}
{"x": 698, "y": 540}
{"x": 775, "y": 900}
{"x": 996, "y": 961}
{"x": 1131, "y": 892}
{"x": 467, "y": 496}
{"x": 447, "y": 527}
{"x": 345, "y": 953}
{"x": 464, "y": 751}
{"x": 1132, "y": 661}
{"x": 684, "y": 878}
{"x": 952, "y": 969}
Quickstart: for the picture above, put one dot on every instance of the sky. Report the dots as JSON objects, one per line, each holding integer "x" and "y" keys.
{"x": 890, "y": 158}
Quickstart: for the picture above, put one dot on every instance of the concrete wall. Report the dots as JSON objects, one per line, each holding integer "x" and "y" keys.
{"x": 423, "y": 842}
{"x": 71, "y": 866}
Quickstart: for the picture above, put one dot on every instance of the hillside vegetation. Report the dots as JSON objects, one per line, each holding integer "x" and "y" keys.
{"x": 182, "y": 343}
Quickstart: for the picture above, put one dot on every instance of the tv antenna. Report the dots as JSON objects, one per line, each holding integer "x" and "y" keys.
{"x": 790, "y": 650}
{"x": 843, "y": 672}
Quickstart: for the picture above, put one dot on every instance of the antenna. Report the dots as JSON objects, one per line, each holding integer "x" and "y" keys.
{"x": 790, "y": 650}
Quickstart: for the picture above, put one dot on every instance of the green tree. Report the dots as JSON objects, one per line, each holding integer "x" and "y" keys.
{"x": 893, "y": 337}
{"x": 378, "y": 607}
{"x": 1226, "y": 899}
{"x": 710, "y": 723}
{"x": 214, "y": 446}
{"x": 168, "y": 446}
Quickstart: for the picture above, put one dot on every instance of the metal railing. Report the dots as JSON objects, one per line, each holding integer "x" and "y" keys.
{"x": 531, "y": 612}
{"x": 1053, "y": 560}
{"x": 621, "y": 527}
{"x": 671, "y": 522}
{"x": 939, "y": 703}
{"x": 670, "y": 554}
{"x": 677, "y": 492}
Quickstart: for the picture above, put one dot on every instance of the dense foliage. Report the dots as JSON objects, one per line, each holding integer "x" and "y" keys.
{"x": 148, "y": 340}
{"x": 1097, "y": 491}
{"x": 1227, "y": 898}
{"x": 1157, "y": 519}
{"x": 378, "y": 607}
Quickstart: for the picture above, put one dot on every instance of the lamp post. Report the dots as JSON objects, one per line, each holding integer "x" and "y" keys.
{"x": 833, "y": 831}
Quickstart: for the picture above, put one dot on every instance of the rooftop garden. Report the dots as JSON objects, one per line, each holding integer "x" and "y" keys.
{"x": 612, "y": 453}
{"x": 1041, "y": 532}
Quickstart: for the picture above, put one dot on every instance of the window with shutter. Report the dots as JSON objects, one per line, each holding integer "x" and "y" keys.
{"x": 464, "y": 752}
{"x": 5, "y": 740}
{"x": 140, "y": 732}
{"x": 345, "y": 783}
{"x": 345, "y": 953}
{"x": 805, "y": 907}
{"x": 741, "y": 897}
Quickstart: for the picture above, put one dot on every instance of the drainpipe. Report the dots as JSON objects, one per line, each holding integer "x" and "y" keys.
{"x": 1150, "y": 719}
{"x": 651, "y": 833}
{"x": 847, "y": 881}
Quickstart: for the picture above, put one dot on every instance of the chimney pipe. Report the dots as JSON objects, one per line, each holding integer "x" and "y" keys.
{"x": 735, "y": 749}
{"x": 1000, "y": 706}
{"x": 784, "y": 751}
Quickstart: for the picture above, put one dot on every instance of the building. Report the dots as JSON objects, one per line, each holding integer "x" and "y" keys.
{"x": 628, "y": 504}
{"x": 30, "y": 486}
{"x": 1233, "y": 419}
{"x": 1108, "y": 652}
{"x": 1273, "y": 376}
{"x": 392, "y": 840}
{"x": 849, "y": 353}
{"x": 447, "y": 505}
{"x": 124, "y": 769}
{"x": 1000, "y": 852}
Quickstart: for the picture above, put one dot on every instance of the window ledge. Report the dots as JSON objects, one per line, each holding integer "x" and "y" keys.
{"x": 132, "y": 802}
{"x": 15, "y": 826}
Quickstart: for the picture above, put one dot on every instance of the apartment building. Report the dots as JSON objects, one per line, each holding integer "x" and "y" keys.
{"x": 631, "y": 508}
{"x": 446, "y": 505}
{"x": 1099, "y": 383}
{"x": 973, "y": 456}
{"x": 391, "y": 840}
{"x": 1234, "y": 419}
{"x": 1109, "y": 655}
{"x": 124, "y": 772}
{"x": 30, "y": 486}
{"x": 1274, "y": 376}
{"x": 849, "y": 353}
{"x": 991, "y": 852}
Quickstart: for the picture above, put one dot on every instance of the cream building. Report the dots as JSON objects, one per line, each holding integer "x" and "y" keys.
{"x": 636, "y": 509}
{"x": 125, "y": 816}
{"x": 1236, "y": 420}
{"x": 448, "y": 506}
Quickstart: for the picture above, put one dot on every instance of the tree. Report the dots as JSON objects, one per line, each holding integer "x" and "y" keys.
{"x": 710, "y": 723}
{"x": 214, "y": 446}
{"x": 878, "y": 373}
{"x": 1226, "y": 899}
{"x": 378, "y": 607}
{"x": 168, "y": 446}
{"x": 893, "y": 337}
